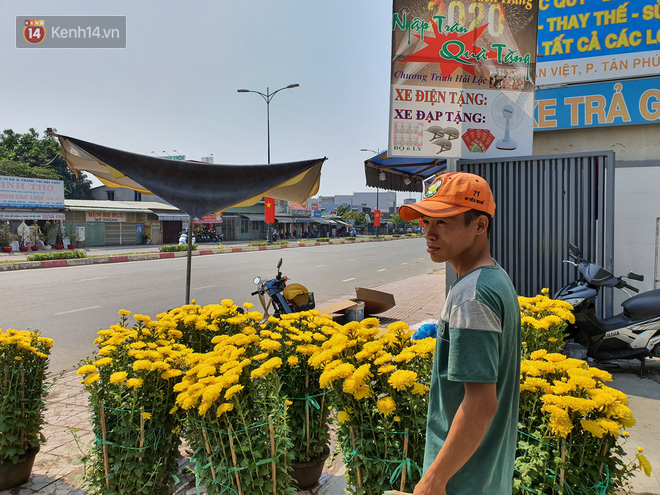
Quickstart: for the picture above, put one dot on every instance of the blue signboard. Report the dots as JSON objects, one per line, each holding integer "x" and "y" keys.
{"x": 635, "y": 101}
{"x": 596, "y": 40}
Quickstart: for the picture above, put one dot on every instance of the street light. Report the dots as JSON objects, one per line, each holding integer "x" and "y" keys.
{"x": 381, "y": 177}
{"x": 267, "y": 98}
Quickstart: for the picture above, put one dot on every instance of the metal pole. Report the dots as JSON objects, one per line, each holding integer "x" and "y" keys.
{"x": 189, "y": 260}
{"x": 269, "y": 230}
{"x": 268, "y": 120}
{"x": 377, "y": 227}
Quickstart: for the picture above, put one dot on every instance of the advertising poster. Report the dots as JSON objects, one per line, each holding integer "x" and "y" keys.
{"x": 463, "y": 77}
{"x": 597, "y": 40}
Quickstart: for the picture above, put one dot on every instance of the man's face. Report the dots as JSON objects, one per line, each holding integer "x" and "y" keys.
{"x": 447, "y": 238}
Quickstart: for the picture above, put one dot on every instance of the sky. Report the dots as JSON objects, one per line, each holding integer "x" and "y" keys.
{"x": 174, "y": 87}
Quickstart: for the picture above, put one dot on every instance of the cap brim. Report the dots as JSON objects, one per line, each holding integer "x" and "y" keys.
{"x": 430, "y": 209}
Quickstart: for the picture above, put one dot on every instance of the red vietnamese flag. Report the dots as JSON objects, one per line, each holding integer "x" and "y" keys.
{"x": 421, "y": 224}
{"x": 269, "y": 210}
{"x": 377, "y": 218}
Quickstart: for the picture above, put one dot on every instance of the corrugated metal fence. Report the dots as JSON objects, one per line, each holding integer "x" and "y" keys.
{"x": 543, "y": 203}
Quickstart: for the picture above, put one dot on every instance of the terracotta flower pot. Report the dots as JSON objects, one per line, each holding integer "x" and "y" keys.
{"x": 307, "y": 474}
{"x": 6, "y": 249}
{"x": 72, "y": 246}
{"x": 58, "y": 246}
{"x": 23, "y": 249}
{"x": 12, "y": 475}
{"x": 34, "y": 248}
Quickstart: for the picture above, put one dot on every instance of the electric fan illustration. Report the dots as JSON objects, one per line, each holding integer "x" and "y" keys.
{"x": 508, "y": 115}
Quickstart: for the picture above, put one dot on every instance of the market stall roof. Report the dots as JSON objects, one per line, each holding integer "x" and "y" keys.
{"x": 194, "y": 187}
{"x": 396, "y": 171}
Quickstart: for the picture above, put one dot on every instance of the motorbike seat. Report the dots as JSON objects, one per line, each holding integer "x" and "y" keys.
{"x": 643, "y": 306}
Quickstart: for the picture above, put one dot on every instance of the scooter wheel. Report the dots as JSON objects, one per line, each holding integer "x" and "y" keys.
{"x": 655, "y": 352}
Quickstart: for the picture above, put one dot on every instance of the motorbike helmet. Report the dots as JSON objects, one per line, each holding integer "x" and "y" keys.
{"x": 296, "y": 294}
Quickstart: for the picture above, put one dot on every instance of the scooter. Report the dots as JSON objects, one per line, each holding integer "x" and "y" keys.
{"x": 632, "y": 334}
{"x": 283, "y": 298}
{"x": 183, "y": 237}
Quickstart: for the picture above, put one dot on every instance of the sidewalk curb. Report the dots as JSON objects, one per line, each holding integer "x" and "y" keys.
{"x": 120, "y": 258}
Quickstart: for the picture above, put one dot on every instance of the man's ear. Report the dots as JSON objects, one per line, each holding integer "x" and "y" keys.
{"x": 482, "y": 224}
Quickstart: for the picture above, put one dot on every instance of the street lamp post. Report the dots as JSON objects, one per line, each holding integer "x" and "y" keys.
{"x": 267, "y": 98}
{"x": 377, "y": 190}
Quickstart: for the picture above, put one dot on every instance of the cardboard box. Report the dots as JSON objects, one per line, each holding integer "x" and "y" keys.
{"x": 375, "y": 302}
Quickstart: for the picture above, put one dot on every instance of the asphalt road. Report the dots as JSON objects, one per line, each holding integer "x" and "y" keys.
{"x": 70, "y": 304}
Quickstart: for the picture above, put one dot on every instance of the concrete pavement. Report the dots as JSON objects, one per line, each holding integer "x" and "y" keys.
{"x": 418, "y": 299}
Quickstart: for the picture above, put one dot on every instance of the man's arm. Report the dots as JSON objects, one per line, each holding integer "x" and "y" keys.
{"x": 465, "y": 434}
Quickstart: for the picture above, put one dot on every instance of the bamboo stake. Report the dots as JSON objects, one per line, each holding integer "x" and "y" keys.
{"x": 141, "y": 432}
{"x": 5, "y": 387}
{"x": 22, "y": 375}
{"x": 359, "y": 475}
{"x": 322, "y": 412}
{"x": 602, "y": 464}
{"x": 307, "y": 411}
{"x": 405, "y": 456}
{"x": 208, "y": 452}
{"x": 562, "y": 472}
{"x": 272, "y": 453}
{"x": 106, "y": 464}
{"x": 233, "y": 460}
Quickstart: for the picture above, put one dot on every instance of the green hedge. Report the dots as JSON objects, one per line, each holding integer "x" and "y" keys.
{"x": 176, "y": 247}
{"x": 57, "y": 255}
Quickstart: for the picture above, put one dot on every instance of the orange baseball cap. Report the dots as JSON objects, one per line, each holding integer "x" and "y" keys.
{"x": 452, "y": 194}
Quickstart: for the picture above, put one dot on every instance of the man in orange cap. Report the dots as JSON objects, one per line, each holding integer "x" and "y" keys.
{"x": 473, "y": 402}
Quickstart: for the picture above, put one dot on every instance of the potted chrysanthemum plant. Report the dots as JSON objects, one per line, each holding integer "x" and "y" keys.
{"x": 236, "y": 418}
{"x": 23, "y": 388}
{"x": 378, "y": 382}
{"x": 130, "y": 381}
{"x": 295, "y": 337}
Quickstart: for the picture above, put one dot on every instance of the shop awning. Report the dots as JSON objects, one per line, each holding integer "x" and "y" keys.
{"x": 305, "y": 220}
{"x": 254, "y": 217}
{"x": 284, "y": 219}
{"x": 109, "y": 210}
{"x": 401, "y": 174}
{"x": 172, "y": 217}
{"x": 322, "y": 221}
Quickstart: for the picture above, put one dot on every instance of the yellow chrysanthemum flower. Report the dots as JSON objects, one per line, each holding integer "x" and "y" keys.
{"x": 386, "y": 406}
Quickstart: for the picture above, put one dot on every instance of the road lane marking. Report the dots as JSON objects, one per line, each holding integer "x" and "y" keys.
{"x": 348, "y": 279}
{"x": 404, "y": 263}
{"x": 78, "y": 310}
{"x": 205, "y": 287}
{"x": 382, "y": 270}
{"x": 93, "y": 278}
{"x": 319, "y": 266}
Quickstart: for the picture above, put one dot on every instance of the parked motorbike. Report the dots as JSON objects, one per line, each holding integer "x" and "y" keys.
{"x": 632, "y": 334}
{"x": 281, "y": 297}
{"x": 208, "y": 236}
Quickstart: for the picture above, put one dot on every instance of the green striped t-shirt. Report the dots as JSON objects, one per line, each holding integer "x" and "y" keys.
{"x": 478, "y": 341}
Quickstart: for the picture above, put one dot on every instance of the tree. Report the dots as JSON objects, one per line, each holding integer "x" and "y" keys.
{"x": 39, "y": 157}
{"x": 342, "y": 211}
{"x": 17, "y": 169}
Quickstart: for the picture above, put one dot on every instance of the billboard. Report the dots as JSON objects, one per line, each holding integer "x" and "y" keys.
{"x": 632, "y": 101}
{"x": 462, "y": 79}
{"x": 598, "y": 40}
{"x": 31, "y": 193}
